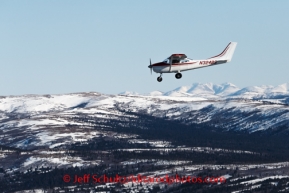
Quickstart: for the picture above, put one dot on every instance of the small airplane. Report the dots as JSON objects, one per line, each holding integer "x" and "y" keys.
{"x": 177, "y": 63}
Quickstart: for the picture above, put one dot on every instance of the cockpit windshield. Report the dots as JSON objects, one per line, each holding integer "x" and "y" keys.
{"x": 176, "y": 60}
{"x": 167, "y": 60}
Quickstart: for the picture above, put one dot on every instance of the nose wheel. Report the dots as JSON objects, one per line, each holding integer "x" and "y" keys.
{"x": 178, "y": 75}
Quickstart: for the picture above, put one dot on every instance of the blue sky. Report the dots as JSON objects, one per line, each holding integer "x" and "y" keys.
{"x": 54, "y": 47}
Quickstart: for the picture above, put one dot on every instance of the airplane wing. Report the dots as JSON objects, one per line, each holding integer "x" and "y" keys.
{"x": 178, "y": 56}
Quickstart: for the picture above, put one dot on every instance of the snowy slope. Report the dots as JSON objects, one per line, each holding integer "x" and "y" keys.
{"x": 50, "y": 120}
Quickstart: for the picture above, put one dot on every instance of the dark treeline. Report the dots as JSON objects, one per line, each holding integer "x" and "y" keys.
{"x": 102, "y": 143}
{"x": 51, "y": 180}
{"x": 265, "y": 186}
{"x": 268, "y": 147}
{"x": 196, "y": 157}
{"x": 4, "y": 147}
{"x": 47, "y": 177}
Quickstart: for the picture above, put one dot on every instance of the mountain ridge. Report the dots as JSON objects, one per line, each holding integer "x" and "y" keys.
{"x": 35, "y": 120}
{"x": 227, "y": 89}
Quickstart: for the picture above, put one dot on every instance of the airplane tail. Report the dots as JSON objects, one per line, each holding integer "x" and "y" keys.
{"x": 227, "y": 53}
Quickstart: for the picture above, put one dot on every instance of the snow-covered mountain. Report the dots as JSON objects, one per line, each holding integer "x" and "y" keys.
{"x": 42, "y": 120}
{"x": 208, "y": 90}
{"x": 50, "y": 128}
{"x": 229, "y": 90}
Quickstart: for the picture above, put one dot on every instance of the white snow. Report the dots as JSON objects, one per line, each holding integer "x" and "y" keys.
{"x": 263, "y": 179}
{"x": 45, "y": 116}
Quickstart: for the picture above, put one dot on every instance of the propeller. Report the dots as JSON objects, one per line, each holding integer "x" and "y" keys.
{"x": 150, "y": 66}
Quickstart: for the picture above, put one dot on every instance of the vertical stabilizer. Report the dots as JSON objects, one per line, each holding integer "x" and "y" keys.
{"x": 227, "y": 53}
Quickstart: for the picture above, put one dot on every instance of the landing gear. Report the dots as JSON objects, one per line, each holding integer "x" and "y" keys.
{"x": 160, "y": 78}
{"x": 178, "y": 75}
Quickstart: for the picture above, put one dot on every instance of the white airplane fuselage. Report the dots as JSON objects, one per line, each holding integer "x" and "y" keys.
{"x": 177, "y": 63}
{"x": 163, "y": 67}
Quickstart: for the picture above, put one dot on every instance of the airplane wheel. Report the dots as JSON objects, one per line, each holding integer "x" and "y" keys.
{"x": 178, "y": 75}
{"x": 159, "y": 79}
